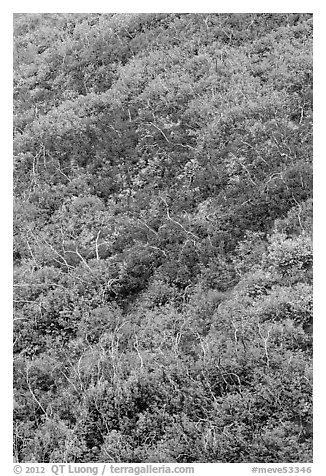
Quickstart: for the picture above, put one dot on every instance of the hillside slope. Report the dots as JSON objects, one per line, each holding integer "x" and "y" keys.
{"x": 162, "y": 237}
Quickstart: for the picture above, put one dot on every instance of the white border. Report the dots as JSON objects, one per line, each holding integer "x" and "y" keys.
{"x": 319, "y": 198}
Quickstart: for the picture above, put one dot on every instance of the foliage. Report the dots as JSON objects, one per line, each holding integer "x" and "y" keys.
{"x": 162, "y": 237}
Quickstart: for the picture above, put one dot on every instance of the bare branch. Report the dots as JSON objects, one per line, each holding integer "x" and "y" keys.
{"x": 137, "y": 350}
{"x": 176, "y": 222}
{"x": 148, "y": 227}
{"x": 33, "y": 394}
{"x": 96, "y": 245}
{"x": 160, "y": 130}
{"x": 265, "y": 340}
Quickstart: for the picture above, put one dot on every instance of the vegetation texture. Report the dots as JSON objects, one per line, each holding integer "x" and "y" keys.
{"x": 162, "y": 238}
